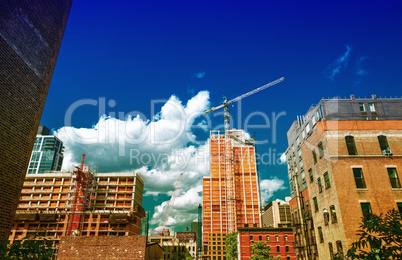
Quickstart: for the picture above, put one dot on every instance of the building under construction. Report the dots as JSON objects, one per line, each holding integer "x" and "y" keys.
{"x": 231, "y": 193}
{"x": 79, "y": 203}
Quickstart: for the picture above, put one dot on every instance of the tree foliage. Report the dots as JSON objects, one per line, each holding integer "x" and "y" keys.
{"x": 261, "y": 251}
{"x": 379, "y": 238}
{"x": 231, "y": 246}
{"x": 27, "y": 248}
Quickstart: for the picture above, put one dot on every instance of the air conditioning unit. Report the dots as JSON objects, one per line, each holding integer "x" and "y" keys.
{"x": 386, "y": 152}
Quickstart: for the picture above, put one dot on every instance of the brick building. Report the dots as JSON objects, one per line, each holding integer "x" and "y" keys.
{"x": 344, "y": 158}
{"x": 114, "y": 208}
{"x": 279, "y": 239}
{"x": 29, "y": 44}
{"x": 186, "y": 236}
{"x": 131, "y": 247}
{"x": 232, "y": 165}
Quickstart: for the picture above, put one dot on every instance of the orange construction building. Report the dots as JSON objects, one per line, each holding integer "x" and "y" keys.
{"x": 231, "y": 194}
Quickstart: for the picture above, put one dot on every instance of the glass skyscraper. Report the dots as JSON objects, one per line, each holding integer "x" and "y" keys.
{"x": 47, "y": 153}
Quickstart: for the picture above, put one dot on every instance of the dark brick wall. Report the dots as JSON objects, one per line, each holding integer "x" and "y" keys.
{"x": 131, "y": 247}
{"x": 30, "y": 39}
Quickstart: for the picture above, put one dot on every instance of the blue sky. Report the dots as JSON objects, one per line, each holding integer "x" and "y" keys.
{"x": 130, "y": 53}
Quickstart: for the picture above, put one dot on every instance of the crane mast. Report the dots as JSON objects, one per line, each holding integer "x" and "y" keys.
{"x": 229, "y": 169}
{"x": 170, "y": 206}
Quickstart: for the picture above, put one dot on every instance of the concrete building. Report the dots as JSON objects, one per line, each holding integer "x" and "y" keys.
{"x": 179, "y": 250}
{"x": 233, "y": 165}
{"x": 344, "y": 159}
{"x": 279, "y": 239}
{"x": 30, "y": 39}
{"x": 276, "y": 214}
{"x": 47, "y": 153}
{"x": 45, "y": 208}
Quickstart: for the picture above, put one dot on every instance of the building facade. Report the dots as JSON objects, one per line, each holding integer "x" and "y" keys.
{"x": 45, "y": 206}
{"x": 30, "y": 39}
{"x": 279, "y": 239}
{"x": 344, "y": 159}
{"x": 145, "y": 225}
{"x": 276, "y": 214}
{"x": 47, "y": 153}
{"x": 233, "y": 166}
{"x": 186, "y": 236}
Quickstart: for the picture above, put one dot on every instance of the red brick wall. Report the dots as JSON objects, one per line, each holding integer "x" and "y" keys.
{"x": 246, "y": 243}
{"x": 131, "y": 247}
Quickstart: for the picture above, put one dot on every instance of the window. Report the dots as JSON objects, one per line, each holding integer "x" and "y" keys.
{"x": 314, "y": 157}
{"x": 358, "y": 173}
{"x": 331, "y": 251}
{"x": 278, "y": 248}
{"x": 315, "y": 203}
{"x": 371, "y": 107}
{"x": 277, "y": 239}
{"x": 267, "y": 238}
{"x": 321, "y": 149}
{"x": 399, "y": 205}
{"x": 310, "y": 173}
{"x": 364, "y": 117}
{"x": 393, "y": 177}
{"x": 362, "y": 107}
{"x": 319, "y": 185}
{"x": 366, "y": 208}
{"x": 320, "y": 235}
{"x": 383, "y": 142}
{"x": 287, "y": 248}
{"x": 350, "y": 143}
{"x": 286, "y": 237}
{"x": 251, "y": 238}
{"x": 260, "y": 238}
{"x": 326, "y": 179}
{"x": 299, "y": 152}
{"x": 339, "y": 247}
{"x": 333, "y": 214}
{"x": 374, "y": 118}
{"x": 326, "y": 217}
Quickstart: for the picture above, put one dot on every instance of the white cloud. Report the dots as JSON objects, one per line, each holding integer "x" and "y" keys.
{"x": 283, "y": 158}
{"x": 359, "y": 69}
{"x": 160, "y": 149}
{"x": 199, "y": 75}
{"x": 335, "y": 67}
{"x": 269, "y": 187}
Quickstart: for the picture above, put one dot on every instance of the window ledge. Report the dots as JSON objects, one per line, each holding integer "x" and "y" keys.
{"x": 396, "y": 188}
{"x": 361, "y": 189}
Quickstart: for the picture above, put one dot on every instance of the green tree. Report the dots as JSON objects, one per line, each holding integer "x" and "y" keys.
{"x": 379, "y": 238}
{"x": 27, "y": 248}
{"x": 261, "y": 251}
{"x": 231, "y": 246}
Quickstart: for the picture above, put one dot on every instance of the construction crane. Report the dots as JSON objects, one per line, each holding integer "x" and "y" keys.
{"x": 230, "y": 199}
{"x": 170, "y": 206}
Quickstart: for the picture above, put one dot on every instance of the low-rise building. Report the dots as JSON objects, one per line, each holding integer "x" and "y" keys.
{"x": 113, "y": 206}
{"x": 279, "y": 239}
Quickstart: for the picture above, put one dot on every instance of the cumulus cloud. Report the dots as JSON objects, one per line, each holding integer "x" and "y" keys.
{"x": 199, "y": 75}
{"x": 268, "y": 187}
{"x": 335, "y": 67}
{"x": 159, "y": 148}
